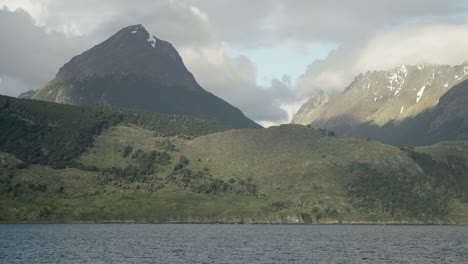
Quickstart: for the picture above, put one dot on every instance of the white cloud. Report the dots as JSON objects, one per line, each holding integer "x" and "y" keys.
{"x": 234, "y": 80}
{"x": 407, "y": 44}
{"x": 438, "y": 44}
{"x": 37, "y": 9}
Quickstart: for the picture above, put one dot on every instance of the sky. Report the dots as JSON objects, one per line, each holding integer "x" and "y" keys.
{"x": 263, "y": 56}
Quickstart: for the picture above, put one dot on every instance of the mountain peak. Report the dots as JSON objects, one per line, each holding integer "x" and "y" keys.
{"x": 134, "y": 69}
{"x": 131, "y": 51}
{"x": 137, "y": 32}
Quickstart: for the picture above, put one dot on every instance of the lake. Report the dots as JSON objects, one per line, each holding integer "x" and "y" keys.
{"x": 211, "y": 243}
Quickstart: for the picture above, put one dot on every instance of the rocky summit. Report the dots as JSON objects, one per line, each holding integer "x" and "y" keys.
{"x": 134, "y": 69}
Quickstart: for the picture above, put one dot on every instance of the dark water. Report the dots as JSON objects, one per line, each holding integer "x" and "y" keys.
{"x": 147, "y": 243}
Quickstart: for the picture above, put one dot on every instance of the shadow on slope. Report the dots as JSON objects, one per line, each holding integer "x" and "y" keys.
{"x": 447, "y": 121}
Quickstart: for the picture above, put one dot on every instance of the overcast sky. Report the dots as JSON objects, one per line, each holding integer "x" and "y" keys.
{"x": 263, "y": 56}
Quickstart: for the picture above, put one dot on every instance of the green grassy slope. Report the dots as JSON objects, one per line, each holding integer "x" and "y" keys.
{"x": 142, "y": 171}
{"x": 354, "y": 177}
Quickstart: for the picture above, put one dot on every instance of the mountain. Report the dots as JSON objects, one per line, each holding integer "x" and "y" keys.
{"x": 65, "y": 163}
{"x": 401, "y": 99}
{"x": 28, "y": 94}
{"x": 134, "y": 69}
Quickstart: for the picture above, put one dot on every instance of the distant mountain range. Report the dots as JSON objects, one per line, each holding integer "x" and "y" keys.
{"x": 134, "y": 69}
{"x": 409, "y": 105}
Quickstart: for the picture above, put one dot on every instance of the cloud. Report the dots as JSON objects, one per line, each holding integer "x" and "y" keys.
{"x": 30, "y": 56}
{"x": 10, "y": 86}
{"x": 179, "y": 23}
{"x": 406, "y": 44}
{"x": 338, "y": 20}
{"x": 270, "y": 22}
{"x": 246, "y": 22}
{"x": 175, "y": 20}
{"x": 37, "y": 10}
{"x": 438, "y": 44}
{"x": 234, "y": 80}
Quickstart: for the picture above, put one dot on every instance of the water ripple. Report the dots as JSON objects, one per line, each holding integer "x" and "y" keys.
{"x": 147, "y": 243}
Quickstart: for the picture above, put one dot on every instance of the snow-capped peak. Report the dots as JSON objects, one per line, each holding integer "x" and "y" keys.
{"x": 151, "y": 39}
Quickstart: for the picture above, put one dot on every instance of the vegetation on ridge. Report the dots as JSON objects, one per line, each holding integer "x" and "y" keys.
{"x": 53, "y": 134}
{"x": 135, "y": 171}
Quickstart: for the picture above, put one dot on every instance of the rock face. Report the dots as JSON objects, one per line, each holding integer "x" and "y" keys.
{"x": 134, "y": 69}
{"x": 317, "y": 100}
{"x": 379, "y": 104}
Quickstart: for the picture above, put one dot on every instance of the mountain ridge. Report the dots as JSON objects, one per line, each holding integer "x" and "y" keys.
{"x": 382, "y": 98}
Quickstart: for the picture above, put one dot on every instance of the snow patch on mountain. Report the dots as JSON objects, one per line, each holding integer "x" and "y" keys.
{"x": 152, "y": 40}
{"x": 397, "y": 79}
{"x": 136, "y": 29}
{"x": 403, "y": 68}
{"x": 420, "y": 93}
{"x": 388, "y": 89}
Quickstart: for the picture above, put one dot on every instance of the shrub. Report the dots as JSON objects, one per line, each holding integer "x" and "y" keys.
{"x": 184, "y": 160}
{"x": 127, "y": 150}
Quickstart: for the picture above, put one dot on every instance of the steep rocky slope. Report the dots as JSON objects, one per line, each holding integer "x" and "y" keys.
{"x": 382, "y": 99}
